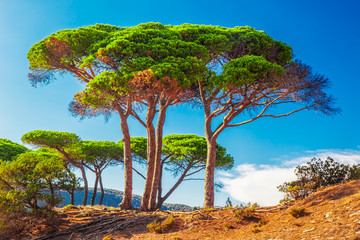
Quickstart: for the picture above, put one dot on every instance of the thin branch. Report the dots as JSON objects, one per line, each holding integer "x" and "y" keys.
{"x": 268, "y": 115}
{"x": 139, "y": 173}
{"x": 195, "y": 172}
{"x": 190, "y": 179}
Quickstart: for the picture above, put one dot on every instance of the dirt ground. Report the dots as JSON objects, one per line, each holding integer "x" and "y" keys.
{"x": 331, "y": 213}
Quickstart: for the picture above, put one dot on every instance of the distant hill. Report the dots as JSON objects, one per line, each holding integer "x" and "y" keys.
{"x": 112, "y": 198}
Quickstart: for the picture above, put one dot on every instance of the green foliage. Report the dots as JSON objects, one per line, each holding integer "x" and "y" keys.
{"x": 51, "y": 139}
{"x": 318, "y": 173}
{"x": 297, "y": 212}
{"x": 9, "y": 150}
{"x": 33, "y": 182}
{"x": 98, "y": 153}
{"x": 161, "y": 226}
{"x": 246, "y": 212}
{"x": 249, "y": 70}
{"x": 190, "y": 149}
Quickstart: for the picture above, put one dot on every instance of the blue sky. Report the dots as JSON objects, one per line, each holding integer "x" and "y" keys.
{"x": 323, "y": 34}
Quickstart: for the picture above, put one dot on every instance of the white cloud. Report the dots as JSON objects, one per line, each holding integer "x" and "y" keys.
{"x": 346, "y": 156}
{"x": 257, "y": 183}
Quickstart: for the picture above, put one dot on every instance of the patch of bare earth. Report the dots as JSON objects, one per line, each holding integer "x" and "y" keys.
{"x": 331, "y": 213}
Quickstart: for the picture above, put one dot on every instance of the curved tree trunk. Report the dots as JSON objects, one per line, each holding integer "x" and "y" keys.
{"x": 150, "y": 156}
{"x": 157, "y": 164}
{"x": 95, "y": 190}
{"x": 126, "y": 202}
{"x": 101, "y": 189}
{"x": 86, "y": 186}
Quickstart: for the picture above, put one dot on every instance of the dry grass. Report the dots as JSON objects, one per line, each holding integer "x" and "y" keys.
{"x": 331, "y": 213}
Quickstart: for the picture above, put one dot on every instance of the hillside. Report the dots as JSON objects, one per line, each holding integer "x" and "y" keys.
{"x": 331, "y": 213}
{"x": 112, "y": 198}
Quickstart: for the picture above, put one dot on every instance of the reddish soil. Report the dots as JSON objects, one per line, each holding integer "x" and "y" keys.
{"x": 331, "y": 213}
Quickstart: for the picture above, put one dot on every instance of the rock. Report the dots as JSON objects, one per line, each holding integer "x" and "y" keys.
{"x": 309, "y": 230}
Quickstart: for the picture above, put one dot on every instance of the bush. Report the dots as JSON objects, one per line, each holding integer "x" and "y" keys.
{"x": 161, "y": 227}
{"x": 318, "y": 173}
{"x": 297, "y": 212}
{"x": 32, "y": 183}
{"x": 246, "y": 212}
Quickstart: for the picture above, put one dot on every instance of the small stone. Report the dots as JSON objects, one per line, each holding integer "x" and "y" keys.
{"x": 355, "y": 213}
{"x": 328, "y": 214}
{"x": 309, "y": 230}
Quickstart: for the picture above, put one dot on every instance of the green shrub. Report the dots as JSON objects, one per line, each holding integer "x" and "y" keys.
{"x": 32, "y": 182}
{"x": 161, "y": 227}
{"x": 297, "y": 212}
{"x": 318, "y": 173}
{"x": 70, "y": 207}
{"x": 246, "y": 212}
{"x": 262, "y": 223}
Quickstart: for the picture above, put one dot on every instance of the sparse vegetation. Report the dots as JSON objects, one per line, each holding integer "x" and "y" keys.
{"x": 108, "y": 237}
{"x": 315, "y": 174}
{"x": 228, "y": 203}
{"x": 161, "y": 226}
{"x": 70, "y": 207}
{"x": 229, "y": 226}
{"x": 297, "y": 212}
{"x": 262, "y": 223}
{"x": 246, "y": 212}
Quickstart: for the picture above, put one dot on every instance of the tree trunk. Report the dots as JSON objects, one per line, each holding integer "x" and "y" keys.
{"x": 86, "y": 187}
{"x": 101, "y": 189}
{"x": 150, "y": 156}
{"x": 157, "y": 164}
{"x": 209, "y": 174}
{"x": 95, "y": 190}
{"x": 126, "y": 202}
{"x": 160, "y": 187}
{"x": 72, "y": 191}
{"x": 72, "y": 198}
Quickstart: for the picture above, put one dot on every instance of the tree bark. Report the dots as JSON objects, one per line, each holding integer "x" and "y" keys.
{"x": 126, "y": 202}
{"x": 95, "y": 190}
{"x": 86, "y": 186}
{"x": 72, "y": 198}
{"x": 101, "y": 189}
{"x": 157, "y": 164}
{"x": 209, "y": 174}
{"x": 150, "y": 156}
{"x": 160, "y": 187}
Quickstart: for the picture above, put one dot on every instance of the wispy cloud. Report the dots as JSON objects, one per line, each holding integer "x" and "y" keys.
{"x": 257, "y": 183}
